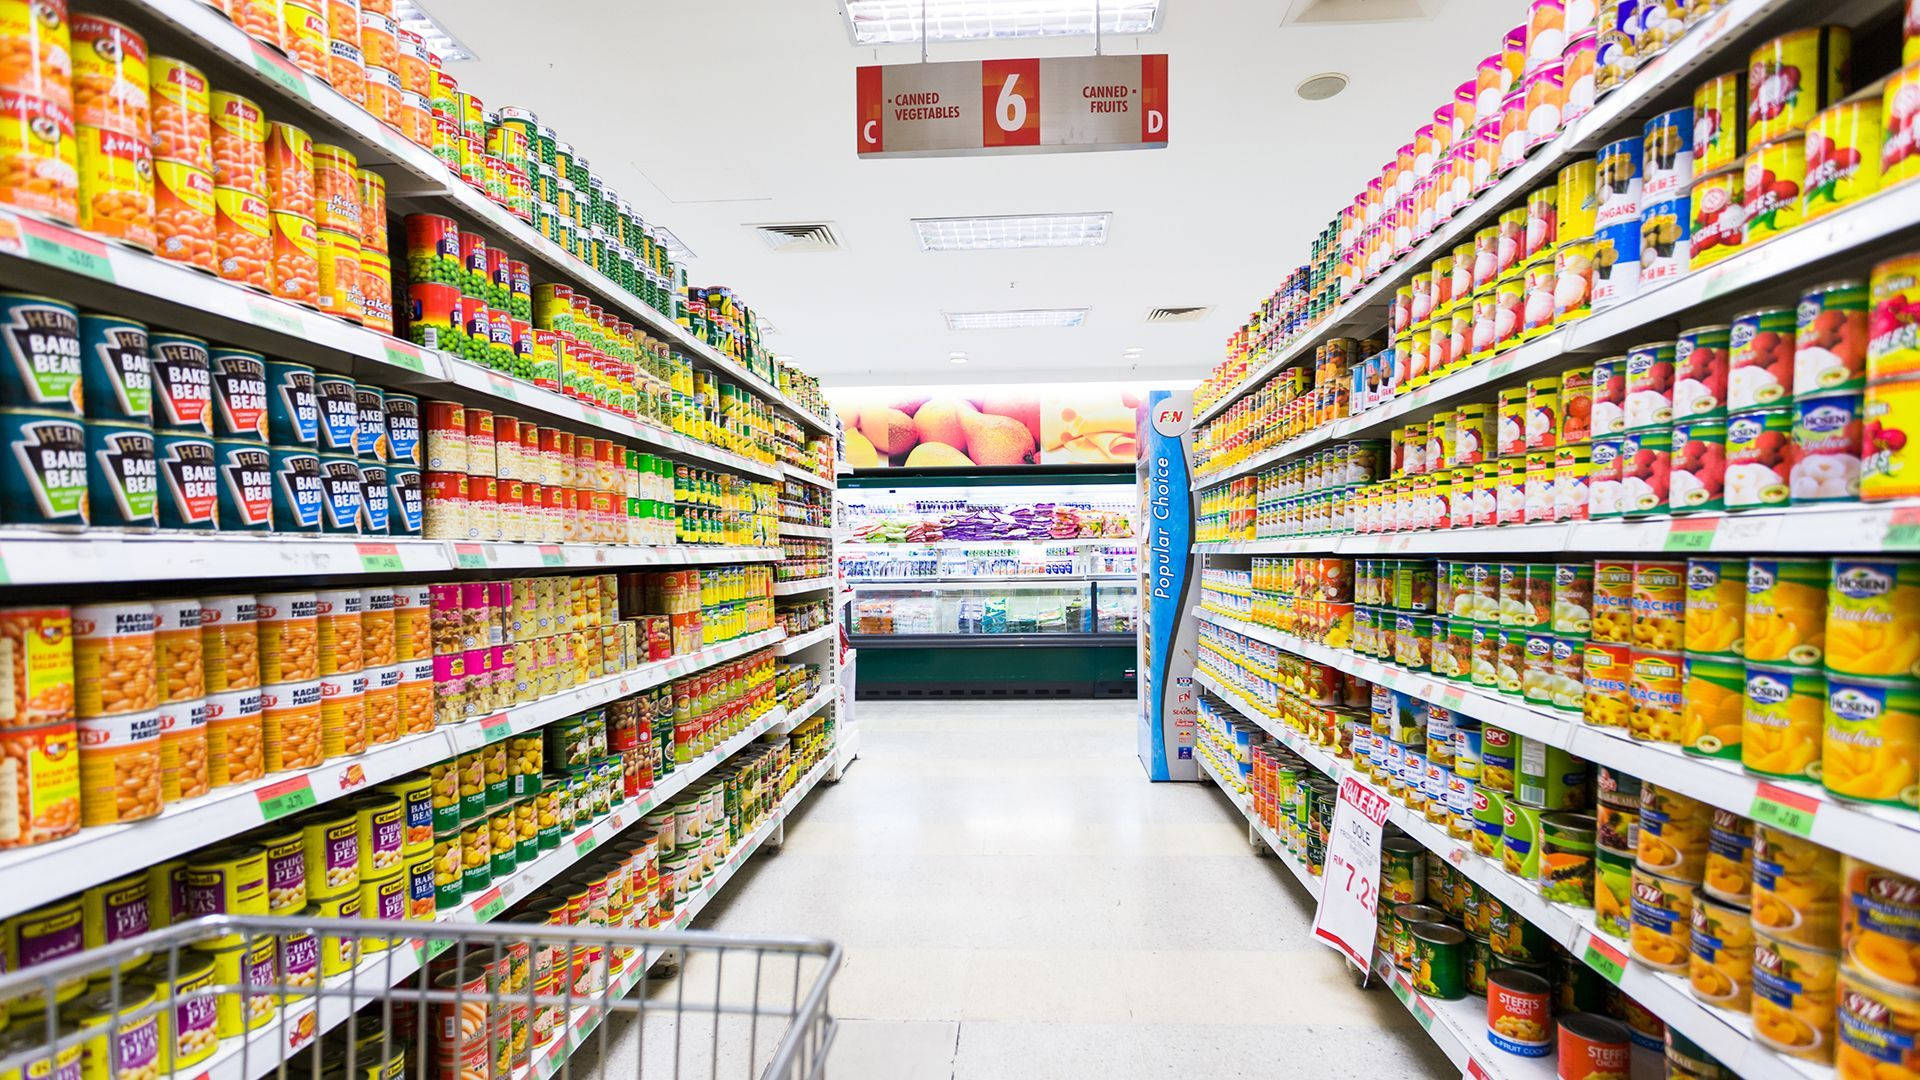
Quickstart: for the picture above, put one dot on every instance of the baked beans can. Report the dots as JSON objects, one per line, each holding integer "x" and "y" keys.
{"x": 405, "y": 501}
{"x": 122, "y": 483}
{"x": 341, "y": 507}
{"x": 290, "y": 170}
{"x": 183, "y": 214}
{"x": 371, "y": 189}
{"x": 346, "y": 69}
{"x": 43, "y": 341}
{"x": 242, "y": 237}
{"x": 376, "y": 291}
{"x": 295, "y": 258}
{"x": 1793, "y": 77}
{"x": 39, "y": 59}
{"x": 403, "y": 428}
{"x": 1593, "y": 1047}
{"x": 1771, "y": 190}
{"x": 245, "y": 471}
{"x": 119, "y": 767}
{"x": 336, "y": 398}
{"x": 41, "y": 159}
{"x": 182, "y": 381}
{"x": 239, "y": 393}
{"x": 44, "y": 760}
{"x": 303, "y": 35}
{"x": 111, "y": 90}
{"x": 188, "y": 482}
{"x": 44, "y": 479}
{"x": 1843, "y": 152}
{"x": 339, "y": 284}
{"x": 297, "y": 490}
{"x": 1665, "y": 238}
{"x": 293, "y": 411}
{"x": 115, "y": 371}
{"x": 336, "y": 193}
{"x": 239, "y": 142}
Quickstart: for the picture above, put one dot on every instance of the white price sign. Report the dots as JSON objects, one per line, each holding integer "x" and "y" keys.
{"x": 1347, "y": 919}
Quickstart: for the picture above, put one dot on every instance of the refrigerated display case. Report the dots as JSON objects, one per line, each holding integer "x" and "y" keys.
{"x": 992, "y": 585}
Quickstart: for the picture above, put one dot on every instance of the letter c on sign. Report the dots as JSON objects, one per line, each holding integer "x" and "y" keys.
{"x": 866, "y": 132}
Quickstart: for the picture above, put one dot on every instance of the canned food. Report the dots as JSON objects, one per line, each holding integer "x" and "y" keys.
{"x": 1697, "y": 472}
{"x": 1793, "y": 997}
{"x": 1662, "y": 909}
{"x": 1665, "y": 239}
{"x": 1729, "y": 874}
{"x": 1719, "y": 126}
{"x": 182, "y": 382}
{"x": 1771, "y": 195}
{"x": 290, "y": 725}
{"x": 1714, "y": 696}
{"x": 1519, "y": 1012}
{"x": 248, "y": 963}
{"x": 1879, "y": 922}
{"x": 1843, "y": 152}
{"x": 1786, "y": 611}
{"x": 1793, "y": 77}
{"x": 1782, "y": 722}
{"x": 1759, "y": 458}
{"x": 1718, "y": 225}
{"x": 1673, "y": 834}
{"x": 233, "y": 737}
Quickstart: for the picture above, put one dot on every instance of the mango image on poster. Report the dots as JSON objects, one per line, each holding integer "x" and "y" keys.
{"x": 1085, "y": 430}
{"x": 1870, "y": 749}
{"x": 1786, "y": 619}
{"x": 1782, "y": 721}
{"x": 1873, "y": 618}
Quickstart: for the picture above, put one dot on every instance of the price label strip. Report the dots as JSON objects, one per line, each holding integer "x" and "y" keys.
{"x": 1903, "y": 530}
{"x": 1691, "y": 534}
{"x": 1605, "y": 958}
{"x": 286, "y": 797}
{"x": 1783, "y": 809}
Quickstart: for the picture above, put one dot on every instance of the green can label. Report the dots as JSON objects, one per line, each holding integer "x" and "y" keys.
{"x": 122, "y": 482}
{"x": 1714, "y": 689}
{"x": 44, "y": 477}
{"x": 115, "y": 374}
{"x": 43, "y": 343}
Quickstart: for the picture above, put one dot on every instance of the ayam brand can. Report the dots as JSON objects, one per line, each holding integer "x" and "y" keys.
{"x": 188, "y": 478}
{"x": 115, "y": 376}
{"x": 121, "y": 481}
{"x": 42, "y": 337}
{"x": 246, "y": 485}
{"x": 43, "y": 473}
{"x": 339, "y": 413}
{"x": 182, "y": 383}
{"x": 340, "y": 482}
{"x": 297, "y": 493}
{"x": 403, "y": 428}
{"x": 293, "y": 413}
{"x": 239, "y": 393}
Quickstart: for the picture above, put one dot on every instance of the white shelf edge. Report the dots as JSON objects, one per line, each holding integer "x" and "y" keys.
{"x": 802, "y": 585}
{"x": 794, "y": 528}
{"x": 795, "y": 472}
{"x": 813, "y": 637}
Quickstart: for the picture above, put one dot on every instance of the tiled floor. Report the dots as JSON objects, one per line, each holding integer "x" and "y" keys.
{"x": 1016, "y": 900}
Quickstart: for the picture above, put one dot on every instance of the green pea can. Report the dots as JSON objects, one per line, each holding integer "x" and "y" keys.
{"x": 121, "y": 481}
{"x": 43, "y": 473}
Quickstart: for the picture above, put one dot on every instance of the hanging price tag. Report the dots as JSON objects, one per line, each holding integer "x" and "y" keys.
{"x": 1783, "y": 809}
{"x": 286, "y": 797}
{"x": 585, "y": 842}
{"x": 1347, "y": 918}
{"x": 379, "y": 558}
{"x": 404, "y": 357}
{"x": 551, "y": 555}
{"x": 1604, "y": 958}
{"x": 275, "y": 317}
{"x": 66, "y": 251}
{"x": 1691, "y": 534}
{"x": 1903, "y": 530}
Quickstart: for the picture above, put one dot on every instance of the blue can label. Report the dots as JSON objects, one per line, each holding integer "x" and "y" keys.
{"x": 297, "y": 493}
{"x": 403, "y": 429}
{"x": 293, "y": 412}
{"x": 1617, "y": 183}
{"x": 373, "y": 498}
{"x": 370, "y": 441}
{"x": 339, "y": 413}
{"x": 340, "y": 481}
{"x": 182, "y": 383}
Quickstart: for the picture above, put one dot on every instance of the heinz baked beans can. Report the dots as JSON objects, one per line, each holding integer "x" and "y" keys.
{"x": 188, "y": 495}
{"x": 182, "y": 383}
{"x": 43, "y": 341}
{"x": 121, "y": 481}
{"x": 337, "y": 398}
{"x": 297, "y": 492}
{"x": 245, "y": 470}
{"x": 115, "y": 374}
{"x": 293, "y": 412}
{"x": 43, "y": 475}
{"x": 340, "y": 484}
{"x": 239, "y": 394}
{"x": 405, "y": 501}
{"x": 403, "y": 428}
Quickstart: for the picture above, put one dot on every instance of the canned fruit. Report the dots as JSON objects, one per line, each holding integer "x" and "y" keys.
{"x": 1880, "y": 922}
{"x": 1782, "y": 721}
{"x": 1649, "y": 372}
{"x": 1714, "y": 695}
{"x": 1720, "y": 965}
{"x": 1888, "y": 469}
{"x": 1760, "y": 458}
{"x": 1843, "y": 150}
{"x": 1871, "y": 743}
{"x": 1828, "y": 442}
{"x": 1662, "y": 908}
{"x": 1715, "y": 607}
{"x": 1700, "y": 358}
{"x": 1796, "y": 889}
{"x": 1674, "y": 831}
{"x": 1831, "y": 339}
{"x": 1878, "y": 1029}
{"x": 1645, "y": 462}
{"x": 1873, "y": 618}
{"x": 1665, "y": 239}
{"x": 1718, "y": 223}
{"x": 1786, "y": 611}
{"x": 1893, "y": 343}
{"x": 1771, "y": 195}
{"x": 1699, "y": 469}
{"x": 1760, "y": 365}
{"x": 1793, "y": 77}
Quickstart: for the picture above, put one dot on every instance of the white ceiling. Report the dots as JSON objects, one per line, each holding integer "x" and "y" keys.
{"x": 712, "y": 116}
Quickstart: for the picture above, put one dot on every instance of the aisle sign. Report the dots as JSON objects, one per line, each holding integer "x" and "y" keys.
{"x": 1347, "y": 918}
{"x": 1002, "y": 106}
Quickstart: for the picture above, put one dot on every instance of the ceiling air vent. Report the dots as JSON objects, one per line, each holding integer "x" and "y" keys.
{"x": 1178, "y": 314}
{"x": 792, "y": 239}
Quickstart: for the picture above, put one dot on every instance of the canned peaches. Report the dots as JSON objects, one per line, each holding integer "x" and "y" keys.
{"x": 1793, "y": 997}
{"x": 1657, "y": 604}
{"x": 1662, "y": 908}
{"x": 183, "y": 214}
{"x": 1781, "y": 722}
{"x": 1715, "y": 607}
{"x": 1720, "y": 963}
{"x": 1870, "y": 747}
{"x": 1880, "y": 922}
{"x": 1873, "y": 618}
{"x": 1796, "y": 889}
{"x": 182, "y": 130}
{"x": 1878, "y": 1029}
{"x": 1673, "y": 834}
{"x": 39, "y": 162}
{"x": 1715, "y": 700}
{"x": 260, "y": 19}
{"x": 1786, "y": 611}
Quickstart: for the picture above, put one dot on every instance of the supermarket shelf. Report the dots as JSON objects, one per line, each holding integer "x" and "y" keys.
{"x": 809, "y": 639}
{"x": 802, "y": 585}
{"x": 1267, "y": 836}
{"x": 1722, "y": 1034}
{"x": 49, "y": 558}
{"x": 800, "y": 715}
{"x": 805, "y": 785}
{"x": 935, "y": 641}
{"x": 805, "y": 476}
{"x": 794, "y": 528}
{"x": 1886, "y": 836}
{"x": 1081, "y": 541}
{"x": 1718, "y": 40}
{"x": 47, "y": 872}
{"x": 1788, "y": 256}
{"x": 1839, "y": 527}
{"x": 420, "y": 177}
{"x": 968, "y": 578}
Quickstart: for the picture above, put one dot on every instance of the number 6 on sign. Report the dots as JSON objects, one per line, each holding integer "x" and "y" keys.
{"x": 1010, "y": 102}
{"x": 1350, "y": 894}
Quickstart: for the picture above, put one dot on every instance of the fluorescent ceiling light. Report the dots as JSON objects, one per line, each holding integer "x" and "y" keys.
{"x": 897, "y": 22}
{"x": 1015, "y": 320}
{"x": 1133, "y": 352}
{"x": 957, "y": 357}
{"x": 440, "y": 41}
{"x": 676, "y": 250}
{"x": 1008, "y": 231}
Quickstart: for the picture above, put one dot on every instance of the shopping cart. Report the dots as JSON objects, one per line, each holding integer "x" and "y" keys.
{"x": 241, "y": 998}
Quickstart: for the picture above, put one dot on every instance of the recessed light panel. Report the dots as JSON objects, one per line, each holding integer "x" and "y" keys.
{"x": 1010, "y": 231}
{"x": 897, "y": 22}
{"x": 439, "y": 41}
{"x": 1016, "y": 320}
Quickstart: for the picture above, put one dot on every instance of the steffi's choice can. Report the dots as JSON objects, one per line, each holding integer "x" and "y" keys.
{"x": 189, "y": 481}
{"x": 182, "y": 383}
{"x": 43, "y": 472}
{"x": 115, "y": 377}
{"x": 239, "y": 394}
{"x": 246, "y": 485}
{"x": 293, "y": 413}
{"x": 339, "y": 412}
{"x": 121, "y": 482}
{"x": 42, "y": 337}
{"x": 296, "y": 489}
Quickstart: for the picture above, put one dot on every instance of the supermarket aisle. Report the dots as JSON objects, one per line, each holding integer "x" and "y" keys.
{"x": 1014, "y": 900}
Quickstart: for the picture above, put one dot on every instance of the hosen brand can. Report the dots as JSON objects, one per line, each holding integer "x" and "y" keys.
{"x": 239, "y": 394}
{"x": 121, "y": 482}
{"x": 246, "y": 485}
{"x": 340, "y": 482}
{"x": 115, "y": 376}
{"x": 297, "y": 493}
{"x": 43, "y": 473}
{"x": 339, "y": 413}
{"x": 42, "y": 338}
{"x": 293, "y": 413}
{"x": 189, "y": 481}
{"x": 182, "y": 383}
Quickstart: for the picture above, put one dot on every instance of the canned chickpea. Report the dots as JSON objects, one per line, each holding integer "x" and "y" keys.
{"x": 286, "y": 872}
{"x": 290, "y": 725}
{"x": 385, "y": 898}
{"x": 229, "y": 643}
{"x": 289, "y": 629}
{"x": 237, "y": 963}
{"x": 234, "y": 751}
{"x": 187, "y": 1035}
{"x": 36, "y": 647}
{"x": 116, "y": 911}
{"x": 100, "y": 1009}
{"x": 298, "y": 963}
{"x": 381, "y": 826}
{"x": 330, "y": 843}
{"x": 227, "y": 880}
{"x": 337, "y": 954}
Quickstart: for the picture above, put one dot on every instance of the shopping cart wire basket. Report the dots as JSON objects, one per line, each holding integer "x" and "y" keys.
{"x": 240, "y": 998}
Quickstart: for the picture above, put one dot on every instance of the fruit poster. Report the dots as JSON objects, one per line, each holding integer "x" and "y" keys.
{"x": 976, "y": 427}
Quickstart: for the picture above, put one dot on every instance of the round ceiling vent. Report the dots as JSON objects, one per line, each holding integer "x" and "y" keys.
{"x": 1323, "y": 86}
